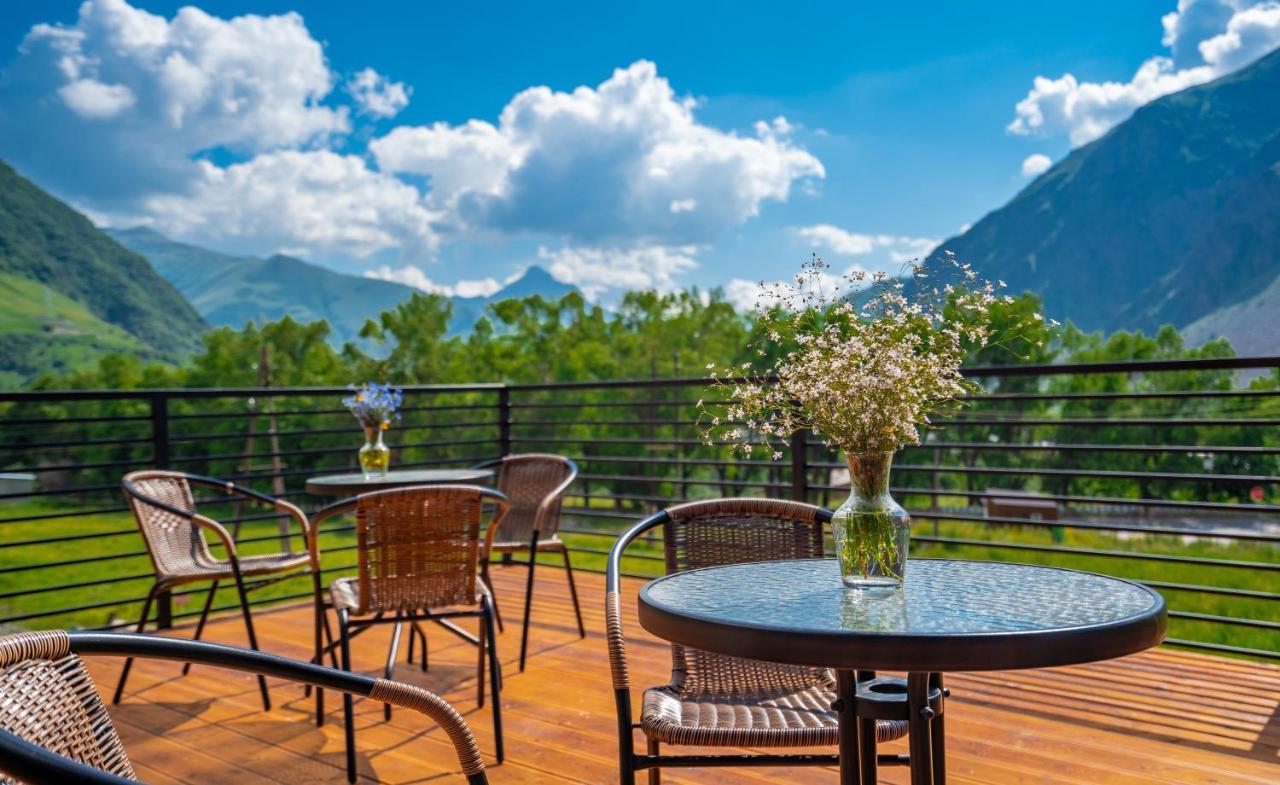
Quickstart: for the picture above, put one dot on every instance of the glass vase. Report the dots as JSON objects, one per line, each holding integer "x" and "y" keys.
{"x": 871, "y": 530}
{"x": 375, "y": 457}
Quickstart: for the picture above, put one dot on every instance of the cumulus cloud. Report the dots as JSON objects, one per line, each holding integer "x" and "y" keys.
{"x": 1036, "y": 164}
{"x": 376, "y": 95}
{"x": 833, "y": 239}
{"x": 623, "y": 162}
{"x": 598, "y": 272}
{"x": 1206, "y": 39}
{"x": 319, "y": 200}
{"x": 412, "y": 275}
{"x": 154, "y": 93}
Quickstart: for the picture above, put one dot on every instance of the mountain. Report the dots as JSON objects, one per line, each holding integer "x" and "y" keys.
{"x": 1171, "y": 216}
{"x": 70, "y": 294}
{"x": 233, "y": 290}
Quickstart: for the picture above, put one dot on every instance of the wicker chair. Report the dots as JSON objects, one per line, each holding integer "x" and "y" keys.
{"x": 174, "y": 531}
{"x": 713, "y": 700}
{"x": 418, "y": 553}
{"x": 535, "y": 483}
{"x": 54, "y": 729}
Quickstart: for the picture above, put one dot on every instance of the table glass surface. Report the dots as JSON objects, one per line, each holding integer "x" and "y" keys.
{"x": 399, "y": 478}
{"x": 939, "y": 597}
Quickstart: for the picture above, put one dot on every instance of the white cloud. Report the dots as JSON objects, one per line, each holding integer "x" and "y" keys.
{"x": 411, "y": 275}
{"x": 152, "y": 94}
{"x": 1206, "y": 38}
{"x": 376, "y": 95}
{"x": 839, "y": 241}
{"x": 601, "y": 272}
{"x": 1036, "y": 164}
{"x": 317, "y": 201}
{"x": 93, "y": 99}
{"x": 624, "y": 163}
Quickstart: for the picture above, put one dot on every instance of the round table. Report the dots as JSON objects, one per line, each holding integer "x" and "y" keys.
{"x": 949, "y": 615}
{"x": 353, "y": 484}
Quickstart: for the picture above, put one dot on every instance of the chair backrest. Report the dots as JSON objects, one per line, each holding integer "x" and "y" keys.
{"x": 418, "y": 548}
{"x": 528, "y": 480}
{"x": 48, "y": 699}
{"x": 735, "y": 531}
{"x": 175, "y": 544}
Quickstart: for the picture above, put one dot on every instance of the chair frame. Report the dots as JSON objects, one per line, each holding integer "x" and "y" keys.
{"x": 34, "y": 765}
{"x": 629, "y": 761}
{"x": 486, "y": 641}
{"x": 204, "y": 523}
{"x": 536, "y": 544}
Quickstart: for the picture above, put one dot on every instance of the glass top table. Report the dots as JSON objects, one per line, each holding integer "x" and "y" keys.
{"x": 352, "y": 484}
{"x": 949, "y": 615}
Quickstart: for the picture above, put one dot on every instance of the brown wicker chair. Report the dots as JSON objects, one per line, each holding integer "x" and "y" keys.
{"x": 418, "y": 553}
{"x": 535, "y": 483}
{"x": 713, "y": 700}
{"x": 174, "y": 531}
{"x": 54, "y": 729}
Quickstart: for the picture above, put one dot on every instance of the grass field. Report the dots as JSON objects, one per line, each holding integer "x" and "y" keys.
{"x": 109, "y": 588}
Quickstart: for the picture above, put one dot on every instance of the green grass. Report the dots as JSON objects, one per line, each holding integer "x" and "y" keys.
{"x": 119, "y": 537}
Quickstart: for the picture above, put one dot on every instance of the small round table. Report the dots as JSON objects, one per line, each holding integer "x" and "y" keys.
{"x": 950, "y": 615}
{"x": 353, "y": 484}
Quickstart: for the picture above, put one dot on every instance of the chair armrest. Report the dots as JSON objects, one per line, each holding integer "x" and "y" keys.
{"x": 501, "y": 506}
{"x": 300, "y": 517}
{"x": 205, "y": 522}
{"x": 247, "y": 660}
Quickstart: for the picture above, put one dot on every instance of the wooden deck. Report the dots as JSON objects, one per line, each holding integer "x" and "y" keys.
{"x": 1159, "y": 717}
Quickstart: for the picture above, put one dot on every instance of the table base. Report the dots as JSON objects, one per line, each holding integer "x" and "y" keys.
{"x": 862, "y": 699}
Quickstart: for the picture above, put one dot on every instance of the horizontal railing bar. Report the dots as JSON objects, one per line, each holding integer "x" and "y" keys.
{"x": 79, "y": 443}
{"x": 1117, "y": 422}
{"x": 1250, "y": 594}
{"x": 45, "y": 516}
{"x": 1224, "y": 648}
{"x": 1138, "y": 555}
{"x": 943, "y": 515}
{"x": 204, "y": 393}
{"x": 1143, "y": 395}
{"x": 55, "y": 421}
{"x": 1118, "y": 501}
{"x": 1210, "y": 618}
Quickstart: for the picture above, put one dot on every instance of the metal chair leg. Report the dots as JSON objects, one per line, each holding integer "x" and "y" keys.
{"x": 488, "y": 584}
{"x": 321, "y": 628}
{"x": 495, "y": 678}
{"x": 867, "y": 739}
{"x": 655, "y": 774}
{"x": 481, "y": 635}
{"x": 573, "y": 592}
{"x": 253, "y": 637}
{"x": 391, "y": 660}
{"x": 528, "y": 599}
{"x": 142, "y": 625}
{"x": 348, "y": 712}
{"x": 204, "y": 615}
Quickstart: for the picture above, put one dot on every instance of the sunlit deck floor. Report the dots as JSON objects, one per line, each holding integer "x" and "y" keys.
{"x": 1159, "y": 717}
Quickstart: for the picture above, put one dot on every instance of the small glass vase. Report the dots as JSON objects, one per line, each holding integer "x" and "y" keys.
{"x": 871, "y": 530}
{"x": 375, "y": 457}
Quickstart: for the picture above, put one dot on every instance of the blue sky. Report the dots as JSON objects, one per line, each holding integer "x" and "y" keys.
{"x": 251, "y": 134}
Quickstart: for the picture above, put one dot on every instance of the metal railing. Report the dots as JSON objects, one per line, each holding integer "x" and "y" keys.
{"x": 1165, "y": 472}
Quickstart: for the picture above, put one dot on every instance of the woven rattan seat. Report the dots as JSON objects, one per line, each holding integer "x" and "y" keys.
{"x": 713, "y": 700}
{"x": 49, "y": 703}
{"x": 535, "y": 484}
{"x": 344, "y": 593}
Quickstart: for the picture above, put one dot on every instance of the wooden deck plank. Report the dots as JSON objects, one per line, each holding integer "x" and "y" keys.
{"x": 1163, "y": 717}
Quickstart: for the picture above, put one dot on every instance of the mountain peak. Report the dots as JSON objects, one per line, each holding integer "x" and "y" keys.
{"x": 534, "y": 280}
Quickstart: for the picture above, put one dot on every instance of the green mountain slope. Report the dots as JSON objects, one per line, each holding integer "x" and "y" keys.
{"x": 45, "y": 242}
{"x": 231, "y": 290}
{"x": 45, "y": 331}
{"x": 1253, "y": 326}
{"x": 1170, "y": 216}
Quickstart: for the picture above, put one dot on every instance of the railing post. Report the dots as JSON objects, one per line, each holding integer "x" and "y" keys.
{"x": 160, "y": 459}
{"x": 800, "y": 465}
{"x": 504, "y": 421}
